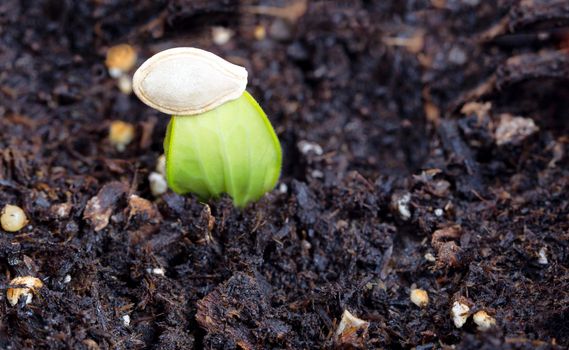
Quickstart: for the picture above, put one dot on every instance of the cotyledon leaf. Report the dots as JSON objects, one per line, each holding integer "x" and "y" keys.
{"x": 231, "y": 149}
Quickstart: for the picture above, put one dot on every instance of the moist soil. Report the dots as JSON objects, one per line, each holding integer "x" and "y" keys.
{"x": 425, "y": 146}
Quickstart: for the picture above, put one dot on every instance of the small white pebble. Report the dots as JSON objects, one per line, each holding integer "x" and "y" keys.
{"x": 403, "y": 206}
{"x": 419, "y": 297}
{"x": 116, "y": 73}
{"x": 459, "y": 313}
{"x": 124, "y": 83}
{"x": 283, "y": 188}
{"x": 306, "y": 147}
{"x": 317, "y": 174}
{"x": 157, "y": 271}
{"x": 513, "y": 129}
{"x": 126, "y": 320}
{"x": 158, "y": 184}
{"x": 430, "y": 257}
{"x": 161, "y": 165}
{"x": 221, "y": 35}
{"x": 542, "y": 260}
{"x": 67, "y": 279}
{"x": 13, "y": 218}
{"x": 439, "y": 212}
{"x": 543, "y": 36}
{"x": 483, "y": 320}
{"x": 457, "y": 56}
{"x": 62, "y": 210}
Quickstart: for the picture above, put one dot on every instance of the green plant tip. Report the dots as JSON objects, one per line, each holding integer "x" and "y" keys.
{"x": 231, "y": 149}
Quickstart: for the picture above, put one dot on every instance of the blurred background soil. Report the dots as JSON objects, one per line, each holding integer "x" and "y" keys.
{"x": 425, "y": 146}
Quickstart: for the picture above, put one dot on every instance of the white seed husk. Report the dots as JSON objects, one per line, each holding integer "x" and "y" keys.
{"x": 459, "y": 313}
{"x": 26, "y": 286}
{"x": 188, "y": 81}
{"x": 349, "y": 325}
{"x": 158, "y": 184}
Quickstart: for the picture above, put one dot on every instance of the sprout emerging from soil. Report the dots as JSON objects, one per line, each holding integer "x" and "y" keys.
{"x": 219, "y": 140}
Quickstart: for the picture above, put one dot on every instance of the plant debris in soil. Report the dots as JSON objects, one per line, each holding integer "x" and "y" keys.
{"x": 425, "y": 147}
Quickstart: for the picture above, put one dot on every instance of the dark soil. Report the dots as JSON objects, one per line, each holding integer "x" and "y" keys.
{"x": 384, "y": 87}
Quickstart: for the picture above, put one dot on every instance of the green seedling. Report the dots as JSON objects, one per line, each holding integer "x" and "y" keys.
{"x": 219, "y": 140}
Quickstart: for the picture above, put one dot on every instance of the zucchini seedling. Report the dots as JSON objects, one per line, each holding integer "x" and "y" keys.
{"x": 218, "y": 140}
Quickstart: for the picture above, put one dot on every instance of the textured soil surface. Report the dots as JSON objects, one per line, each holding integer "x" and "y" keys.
{"x": 425, "y": 146}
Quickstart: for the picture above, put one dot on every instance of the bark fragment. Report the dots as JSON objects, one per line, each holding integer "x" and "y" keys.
{"x": 100, "y": 208}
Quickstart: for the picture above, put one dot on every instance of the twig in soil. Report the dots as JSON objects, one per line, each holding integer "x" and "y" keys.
{"x": 98, "y": 306}
{"x": 525, "y": 39}
{"x": 526, "y": 14}
{"x": 133, "y": 183}
{"x": 324, "y": 316}
{"x": 71, "y": 150}
{"x": 552, "y": 64}
{"x": 384, "y": 272}
{"x": 474, "y": 94}
{"x": 543, "y": 65}
{"x": 9, "y": 184}
{"x": 290, "y": 13}
{"x": 460, "y": 153}
{"x": 522, "y": 340}
{"x": 203, "y": 277}
{"x": 538, "y": 11}
{"x": 155, "y": 27}
{"x": 413, "y": 43}
{"x": 495, "y": 31}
